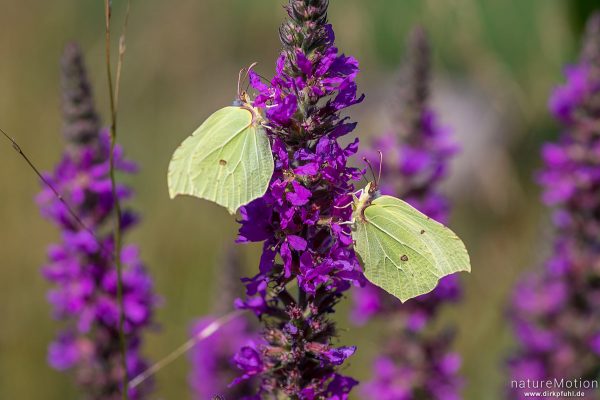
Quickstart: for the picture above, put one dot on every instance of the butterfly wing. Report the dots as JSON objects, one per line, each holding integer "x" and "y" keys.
{"x": 227, "y": 160}
{"x": 405, "y": 252}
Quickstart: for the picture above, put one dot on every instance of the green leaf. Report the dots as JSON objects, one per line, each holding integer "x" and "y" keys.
{"x": 404, "y": 252}
{"x": 227, "y": 160}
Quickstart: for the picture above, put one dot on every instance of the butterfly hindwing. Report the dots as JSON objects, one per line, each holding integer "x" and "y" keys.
{"x": 405, "y": 252}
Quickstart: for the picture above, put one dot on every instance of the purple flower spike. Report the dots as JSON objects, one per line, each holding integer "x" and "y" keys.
{"x": 556, "y": 309}
{"x": 81, "y": 267}
{"x": 415, "y": 159}
{"x": 299, "y": 219}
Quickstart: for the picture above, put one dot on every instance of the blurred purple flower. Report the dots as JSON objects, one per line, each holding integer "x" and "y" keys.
{"x": 81, "y": 267}
{"x": 555, "y": 309}
{"x": 415, "y": 161}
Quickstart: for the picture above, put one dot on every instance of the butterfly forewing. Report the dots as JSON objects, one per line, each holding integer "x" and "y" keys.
{"x": 227, "y": 160}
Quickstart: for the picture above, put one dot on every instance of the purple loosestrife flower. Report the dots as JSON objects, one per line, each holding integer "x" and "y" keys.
{"x": 81, "y": 266}
{"x": 298, "y": 219}
{"x": 213, "y": 366}
{"x": 415, "y": 363}
{"x": 555, "y": 310}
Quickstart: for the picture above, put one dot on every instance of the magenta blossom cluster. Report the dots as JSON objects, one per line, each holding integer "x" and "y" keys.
{"x": 414, "y": 363}
{"x": 81, "y": 267}
{"x": 301, "y": 219}
{"x": 555, "y": 310}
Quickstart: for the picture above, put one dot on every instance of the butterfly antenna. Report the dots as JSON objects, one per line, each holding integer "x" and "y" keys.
{"x": 370, "y": 167}
{"x": 250, "y": 68}
{"x": 239, "y": 84}
{"x": 56, "y": 193}
{"x": 243, "y": 75}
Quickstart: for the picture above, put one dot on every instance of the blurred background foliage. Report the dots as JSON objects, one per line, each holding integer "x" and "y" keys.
{"x": 495, "y": 64}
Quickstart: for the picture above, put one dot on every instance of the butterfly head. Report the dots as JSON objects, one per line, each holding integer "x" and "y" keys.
{"x": 370, "y": 192}
{"x": 243, "y": 99}
{"x": 364, "y": 200}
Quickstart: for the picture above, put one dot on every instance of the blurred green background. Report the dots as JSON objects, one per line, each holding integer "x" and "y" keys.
{"x": 495, "y": 64}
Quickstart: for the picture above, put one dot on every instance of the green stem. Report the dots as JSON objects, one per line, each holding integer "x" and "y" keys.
{"x": 117, "y": 236}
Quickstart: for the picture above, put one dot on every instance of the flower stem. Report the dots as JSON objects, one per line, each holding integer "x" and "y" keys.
{"x": 117, "y": 238}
